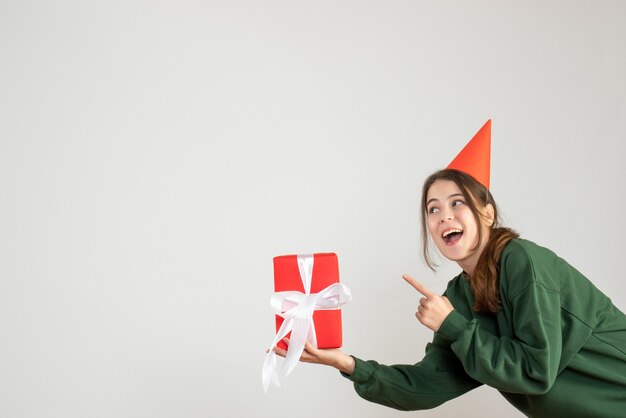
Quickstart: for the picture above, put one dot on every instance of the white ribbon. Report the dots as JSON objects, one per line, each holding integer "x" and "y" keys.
{"x": 297, "y": 310}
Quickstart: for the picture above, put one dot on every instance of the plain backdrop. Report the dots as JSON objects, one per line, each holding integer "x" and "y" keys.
{"x": 155, "y": 156}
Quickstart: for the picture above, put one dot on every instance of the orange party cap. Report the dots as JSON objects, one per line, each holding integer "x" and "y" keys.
{"x": 474, "y": 159}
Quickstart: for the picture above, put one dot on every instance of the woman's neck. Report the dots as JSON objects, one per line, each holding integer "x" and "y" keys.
{"x": 469, "y": 264}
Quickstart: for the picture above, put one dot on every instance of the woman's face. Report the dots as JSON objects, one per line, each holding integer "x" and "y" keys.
{"x": 452, "y": 225}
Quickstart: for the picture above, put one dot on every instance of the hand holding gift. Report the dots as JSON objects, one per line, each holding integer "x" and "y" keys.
{"x": 307, "y": 300}
{"x": 333, "y": 357}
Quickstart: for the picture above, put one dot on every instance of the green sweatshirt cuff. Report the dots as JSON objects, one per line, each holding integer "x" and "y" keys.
{"x": 453, "y": 326}
{"x": 362, "y": 371}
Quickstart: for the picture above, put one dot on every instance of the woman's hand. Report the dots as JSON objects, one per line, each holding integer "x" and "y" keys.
{"x": 432, "y": 309}
{"x": 330, "y": 357}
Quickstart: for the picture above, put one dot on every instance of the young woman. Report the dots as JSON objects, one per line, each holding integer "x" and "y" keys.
{"x": 518, "y": 318}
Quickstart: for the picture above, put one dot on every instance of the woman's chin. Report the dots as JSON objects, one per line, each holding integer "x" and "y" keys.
{"x": 452, "y": 253}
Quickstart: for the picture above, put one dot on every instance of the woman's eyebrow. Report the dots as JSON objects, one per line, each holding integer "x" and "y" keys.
{"x": 436, "y": 200}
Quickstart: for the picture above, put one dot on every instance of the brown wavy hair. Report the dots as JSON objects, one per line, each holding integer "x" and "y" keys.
{"x": 484, "y": 280}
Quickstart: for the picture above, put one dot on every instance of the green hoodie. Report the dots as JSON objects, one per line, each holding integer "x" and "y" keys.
{"x": 557, "y": 347}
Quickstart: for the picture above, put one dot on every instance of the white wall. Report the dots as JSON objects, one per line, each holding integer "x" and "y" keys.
{"x": 155, "y": 156}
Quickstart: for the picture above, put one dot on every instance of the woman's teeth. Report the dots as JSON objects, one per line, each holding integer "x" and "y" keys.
{"x": 452, "y": 231}
{"x": 452, "y": 235}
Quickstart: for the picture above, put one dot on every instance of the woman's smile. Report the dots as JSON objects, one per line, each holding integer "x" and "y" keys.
{"x": 452, "y": 236}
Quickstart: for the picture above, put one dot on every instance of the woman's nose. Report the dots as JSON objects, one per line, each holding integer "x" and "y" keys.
{"x": 446, "y": 217}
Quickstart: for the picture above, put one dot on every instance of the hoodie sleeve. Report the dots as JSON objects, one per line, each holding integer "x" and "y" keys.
{"x": 436, "y": 379}
{"x": 528, "y": 361}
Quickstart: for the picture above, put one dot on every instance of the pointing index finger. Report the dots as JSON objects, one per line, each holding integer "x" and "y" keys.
{"x": 418, "y": 286}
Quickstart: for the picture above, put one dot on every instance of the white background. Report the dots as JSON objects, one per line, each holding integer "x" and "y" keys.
{"x": 155, "y": 156}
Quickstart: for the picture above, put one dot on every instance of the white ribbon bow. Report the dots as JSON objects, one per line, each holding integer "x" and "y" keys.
{"x": 297, "y": 310}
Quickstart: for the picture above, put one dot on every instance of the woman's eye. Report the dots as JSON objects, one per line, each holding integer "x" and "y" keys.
{"x": 457, "y": 203}
{"x": 433, "y": 210}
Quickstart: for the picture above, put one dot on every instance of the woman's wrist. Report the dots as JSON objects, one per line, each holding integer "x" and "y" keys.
{"x": 346, "y": 364}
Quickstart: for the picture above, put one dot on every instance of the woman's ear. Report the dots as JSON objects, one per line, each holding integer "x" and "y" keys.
{"x": 489, "y": 215}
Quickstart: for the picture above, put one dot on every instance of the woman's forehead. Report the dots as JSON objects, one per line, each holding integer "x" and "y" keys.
{"x": 441, "y": 189}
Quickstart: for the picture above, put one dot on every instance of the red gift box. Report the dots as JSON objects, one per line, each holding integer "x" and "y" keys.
{"x": 325, "y": 273}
